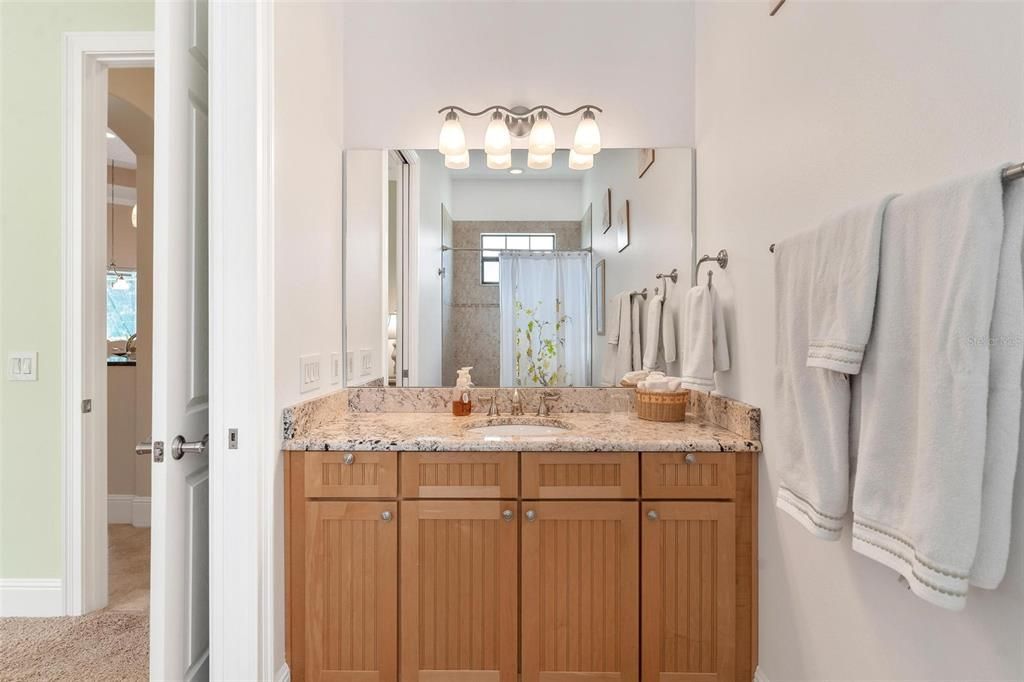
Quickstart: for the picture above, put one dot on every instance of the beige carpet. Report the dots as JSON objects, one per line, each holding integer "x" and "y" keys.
{"x": 112, "y": 644}
{"x": 106, "y": 645}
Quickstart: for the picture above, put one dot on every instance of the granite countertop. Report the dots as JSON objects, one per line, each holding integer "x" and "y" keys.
{"x": 588, "y": 432}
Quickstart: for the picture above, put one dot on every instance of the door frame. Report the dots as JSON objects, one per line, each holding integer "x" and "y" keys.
{"x": 86, "y": 56}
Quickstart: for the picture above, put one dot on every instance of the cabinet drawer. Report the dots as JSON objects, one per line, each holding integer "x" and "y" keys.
{"x": 591, "y": 475}
{"x": 351, "y": 474}
{"x": 688, "y": 475}
{"x": 460, "y": 474}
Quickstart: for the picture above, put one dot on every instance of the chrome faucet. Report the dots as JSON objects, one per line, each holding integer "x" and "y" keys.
{"x": 492, "y": 405}
{"x": 517, "y": 403}
{"x": 543, "y": 408}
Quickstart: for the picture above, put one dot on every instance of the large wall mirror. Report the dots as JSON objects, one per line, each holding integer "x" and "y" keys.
{"x": 511, "y": 272}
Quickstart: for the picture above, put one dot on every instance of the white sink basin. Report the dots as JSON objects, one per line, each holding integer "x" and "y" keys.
{"x": 519, "y": 430}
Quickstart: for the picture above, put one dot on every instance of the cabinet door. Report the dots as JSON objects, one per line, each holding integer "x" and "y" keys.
{"x": 351, "y": 474}
{"x": 459, "y": 591}
{"x": 351, "y": 591}
{"x": 580, "y": 594}
{"x": 460, "y": 474}
{"x": 688, "y": 475}
{"x": 689, "y": 591}
{"x": 580, "y": 475}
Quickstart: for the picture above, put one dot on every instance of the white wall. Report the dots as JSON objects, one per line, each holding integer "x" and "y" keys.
{"x": 405, "y": 60}
{"x": 435, "y": 190}
{"x": 660, "y": 219}
{"x": 307, "y": 216}
{"x": 511, "y": 198}
{"x": 825, "y": 105}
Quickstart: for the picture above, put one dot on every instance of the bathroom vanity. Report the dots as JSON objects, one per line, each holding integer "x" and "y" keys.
{"x": 418, "y": 549}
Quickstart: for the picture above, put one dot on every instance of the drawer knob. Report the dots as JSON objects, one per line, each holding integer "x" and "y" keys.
{"x": 690, "y": 458}
{"x": 385, "y": 516}
{"x": 530, "y": 515}
{"x": 652, "y": 515}
{"x": 507, "y": 515}
{"x": 349, "y": 458}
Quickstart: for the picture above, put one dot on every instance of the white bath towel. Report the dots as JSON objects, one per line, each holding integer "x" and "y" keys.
{"x": 705, "y": 346}
{"x": 623, "y": 328}
{"x": 636, "y": 340}
{"x": 1002, "y": 443}
{"x": 652, "y": 332}
{"x": 845, "y": 275}
{"x": 614, "y": 316}
{"x": 924, "y": 387}
{"x": 814, "y": 404}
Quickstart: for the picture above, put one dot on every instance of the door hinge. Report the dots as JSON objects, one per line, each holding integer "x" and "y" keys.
{"x": 87, "y": 406}
{"x": 232, "y": 439}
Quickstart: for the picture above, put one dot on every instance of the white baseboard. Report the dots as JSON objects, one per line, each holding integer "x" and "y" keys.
{"x": 128, "y": 509}
{"x": 759, "y": 675}
{"x": 41, "y": 597}
{"x": 284, "y": 674}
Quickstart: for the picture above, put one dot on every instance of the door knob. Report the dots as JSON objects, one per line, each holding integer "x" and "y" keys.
{"x": 180, "y": 447}
{"x": 531, "y": 515}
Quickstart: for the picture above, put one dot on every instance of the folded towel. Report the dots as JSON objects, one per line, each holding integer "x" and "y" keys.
{"x": 652, "y": 334}
{"x": 705, "y": 348}
{"x": 814, "y": 405}
{"x": 845, "y": 279}
{"x": 1002, "y": 443}
{"x": 917, "y": 497}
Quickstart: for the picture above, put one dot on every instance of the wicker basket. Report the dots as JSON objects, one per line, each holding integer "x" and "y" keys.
{"x": 661, "y": 407}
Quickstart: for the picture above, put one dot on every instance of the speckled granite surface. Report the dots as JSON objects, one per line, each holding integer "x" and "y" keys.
{"x": 588, "y": 432}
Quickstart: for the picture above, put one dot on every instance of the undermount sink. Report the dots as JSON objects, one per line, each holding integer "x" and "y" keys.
{"x": 498, "y": 427}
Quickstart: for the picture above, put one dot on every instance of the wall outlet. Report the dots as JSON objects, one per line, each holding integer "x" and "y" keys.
{"x": 365, "y": 362}
{"x": 309, "y": 372}
{"x": 335, "y": 367}
{"x": 350, "y": 364}
{"x": 23, "y": 366}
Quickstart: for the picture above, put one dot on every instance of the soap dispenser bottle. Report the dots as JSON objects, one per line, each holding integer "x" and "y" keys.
{"x": 461, "y": 403}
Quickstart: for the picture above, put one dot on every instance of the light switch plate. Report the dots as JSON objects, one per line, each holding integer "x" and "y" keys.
{"x": 335, "y": 367}
{"x": 309, "y": 372}
{"x": 365, "y": 362}
{"x": 23, "y": 366}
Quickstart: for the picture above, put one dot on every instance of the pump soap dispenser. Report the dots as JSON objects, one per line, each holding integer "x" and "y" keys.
{"x": 461, "y": 403}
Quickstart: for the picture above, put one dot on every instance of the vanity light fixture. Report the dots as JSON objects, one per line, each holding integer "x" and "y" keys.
{"x": 533, "y": 123}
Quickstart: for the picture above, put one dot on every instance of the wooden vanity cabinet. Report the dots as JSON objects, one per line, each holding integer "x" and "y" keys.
{"x": 559, "y": 567}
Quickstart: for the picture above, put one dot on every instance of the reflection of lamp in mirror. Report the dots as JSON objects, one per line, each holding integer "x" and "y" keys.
{"x": 538, "y": 161}
{"x": 392, "y": 347}
{"x": 580, "y": 161}
{"x": 499, "y": 161}
{"x": 457, "y": 161}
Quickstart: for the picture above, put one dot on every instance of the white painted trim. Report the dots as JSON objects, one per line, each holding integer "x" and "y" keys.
{"x": 243, "y": 482}
{"x": 37, "y": 598}
{"x": 284, "y": 673}
{"x": 141, "y": 512}
{"x": 83, "y": 470}
{"x": 119, "y": 508}
{"x": 759, "y": 676}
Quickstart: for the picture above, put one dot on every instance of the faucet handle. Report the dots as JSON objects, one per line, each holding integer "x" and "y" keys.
{"x": 492, "y": 404}
{"x": 543, "y": 409}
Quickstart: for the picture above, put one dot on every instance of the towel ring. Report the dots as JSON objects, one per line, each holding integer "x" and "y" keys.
{"x": 722, "y": 259}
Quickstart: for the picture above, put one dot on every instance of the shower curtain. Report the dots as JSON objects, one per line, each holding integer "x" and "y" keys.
{"x": 545, "y": 318}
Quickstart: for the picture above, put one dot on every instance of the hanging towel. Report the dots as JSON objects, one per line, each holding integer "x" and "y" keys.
{"x": 614, "y": 315}
{"x": 623, "y": 355}
{"x": 1002, "y": 443}
{"x": 652, "y": 334}
{"x": 636, "y": 341}
{"x": 705, "y": 347}
{"x": 917, "y": 496}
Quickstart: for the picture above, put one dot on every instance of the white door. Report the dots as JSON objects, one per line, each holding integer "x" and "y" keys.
{"x": 179, "y": 605}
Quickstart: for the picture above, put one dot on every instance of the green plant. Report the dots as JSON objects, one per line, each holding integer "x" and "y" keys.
{"x": 538, "y": 346}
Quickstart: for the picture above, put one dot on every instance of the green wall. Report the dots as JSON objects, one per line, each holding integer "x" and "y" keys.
{"x": 30, "y": 173}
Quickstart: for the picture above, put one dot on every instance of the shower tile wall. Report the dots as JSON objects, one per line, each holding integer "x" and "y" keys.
{"x": 472, "y": 320}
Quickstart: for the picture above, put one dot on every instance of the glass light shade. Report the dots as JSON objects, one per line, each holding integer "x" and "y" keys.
{"x": 135, "y": 215}
{"x": 393, "y": 326}
{"x": 538, "y": 161}
{"x": 580, "y": 161}
{"x": 542, "y": 136}
{"x": 588, "y": 136}
{"x": 499, "y": 161}
{"x": 120, "y": 284}
{"x": 457, "y": 161}
{"x": 497, "y": 139}
{"x": 451, "y": 141}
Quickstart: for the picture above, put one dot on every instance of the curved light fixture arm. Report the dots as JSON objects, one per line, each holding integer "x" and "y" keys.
{"x": 520, "y": 113}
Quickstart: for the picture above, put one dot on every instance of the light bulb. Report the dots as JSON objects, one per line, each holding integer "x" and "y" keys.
{"x": 588, "y": 136}
{"x": 580, "y": 161}
{"x": 542, "y": 136}
{"x": 451, "y": 141}
{"x": 120, "y": 284}
{"x": 497, "y": 139}
{"x": 457, "y": 161}
{"x": 499, "y": 161}
{"x": 538, "y": 161}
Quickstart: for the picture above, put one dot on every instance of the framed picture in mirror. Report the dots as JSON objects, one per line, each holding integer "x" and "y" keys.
{"x": 622, "y": 236}
{"x": 599, "y": 297}
{"x": 606, "y": 211}
{"x": 646, "y": 160}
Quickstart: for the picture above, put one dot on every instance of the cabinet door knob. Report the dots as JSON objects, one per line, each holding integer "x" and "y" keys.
{"x": 349, "y": 458}
{"x": 652, "y": 515}
{"x": 385, "y": 516}
{"x": 690, "y": 458}
{"x": 507, "y": 514}
{"x": 530, "y": 515}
